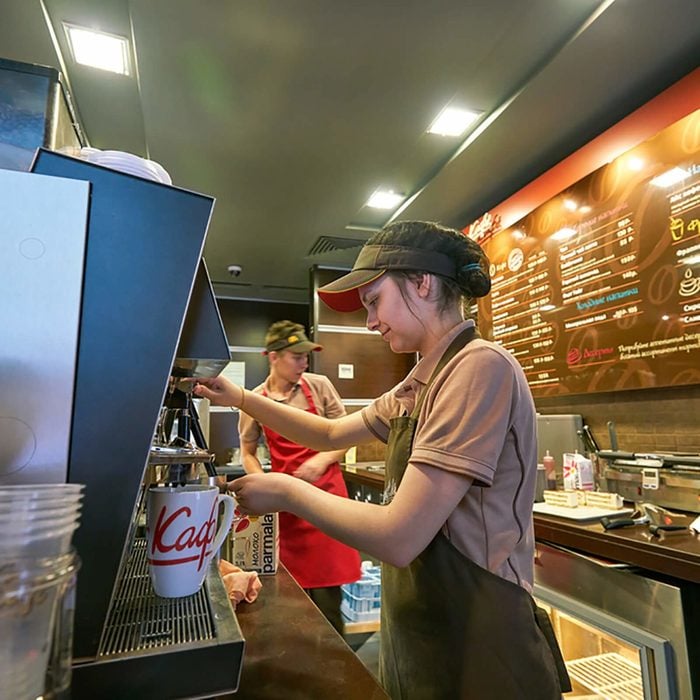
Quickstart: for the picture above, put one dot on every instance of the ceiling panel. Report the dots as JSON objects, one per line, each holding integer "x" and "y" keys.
{"x": 292, "y": 113}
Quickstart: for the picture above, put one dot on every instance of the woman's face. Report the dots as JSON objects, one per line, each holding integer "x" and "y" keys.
{"x": 388, "y": 312}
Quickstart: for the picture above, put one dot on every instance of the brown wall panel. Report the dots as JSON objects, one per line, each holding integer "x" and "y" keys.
{"x": 246, "y": 322}
{"x": 376, "y": 367}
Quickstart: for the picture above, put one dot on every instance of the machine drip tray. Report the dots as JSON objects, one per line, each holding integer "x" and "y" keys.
{"x": 139, "y": 620}
{"x": 150, "y": 645}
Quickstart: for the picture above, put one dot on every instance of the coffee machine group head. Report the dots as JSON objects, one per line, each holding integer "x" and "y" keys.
{"x": 179, "y": 454}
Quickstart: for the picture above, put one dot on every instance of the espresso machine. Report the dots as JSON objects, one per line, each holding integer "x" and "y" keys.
{"x": 146, "y": 321}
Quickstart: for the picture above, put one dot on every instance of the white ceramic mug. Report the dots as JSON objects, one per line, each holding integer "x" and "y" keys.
{"x": 182, "y": 536}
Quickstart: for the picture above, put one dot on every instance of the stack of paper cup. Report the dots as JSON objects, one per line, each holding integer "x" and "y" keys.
{"x": 37, "y": 569}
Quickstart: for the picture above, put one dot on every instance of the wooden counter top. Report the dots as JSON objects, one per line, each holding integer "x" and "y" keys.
{"x": 292, "y": 652}
{"x": 675, "y": 554}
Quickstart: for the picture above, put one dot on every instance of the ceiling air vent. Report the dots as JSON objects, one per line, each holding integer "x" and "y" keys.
{"x": 329, "y": 244}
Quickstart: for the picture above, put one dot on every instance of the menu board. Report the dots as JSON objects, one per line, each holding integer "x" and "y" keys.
{"x": 598, "y": 289}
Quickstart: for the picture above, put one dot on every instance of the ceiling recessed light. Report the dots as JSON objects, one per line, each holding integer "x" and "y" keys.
{"x": 570, "y": 204}
{"x": 670, "y": 177}
{"x": 452, "y": 121}
{"x": 635, "y": 163}
{"x": 98, "y": 49}
{"x": 385, "y": 199}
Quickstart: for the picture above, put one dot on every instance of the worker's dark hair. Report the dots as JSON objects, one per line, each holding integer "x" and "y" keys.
{"x": 472, "y": 279}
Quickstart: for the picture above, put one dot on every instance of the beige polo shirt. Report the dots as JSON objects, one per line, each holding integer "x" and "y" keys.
{"x": 324, "y": 394}
{"x": 478, "y": 419}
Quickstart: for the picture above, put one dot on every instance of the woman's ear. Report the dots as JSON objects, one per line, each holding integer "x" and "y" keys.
{"x": 424, "y": 284}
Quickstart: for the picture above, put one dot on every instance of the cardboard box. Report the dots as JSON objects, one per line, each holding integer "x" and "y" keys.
{"x": 253, "y": 543}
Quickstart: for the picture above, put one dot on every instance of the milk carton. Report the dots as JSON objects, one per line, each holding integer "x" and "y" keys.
{"x": 577, "y": 472}
{"x": 253, "y": 543}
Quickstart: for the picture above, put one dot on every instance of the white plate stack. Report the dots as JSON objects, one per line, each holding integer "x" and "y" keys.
{"x": 123, "y": 162}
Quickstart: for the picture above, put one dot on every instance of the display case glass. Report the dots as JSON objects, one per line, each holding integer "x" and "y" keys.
{"x": 623, "y": 632}
{"x": 600, "y": 665}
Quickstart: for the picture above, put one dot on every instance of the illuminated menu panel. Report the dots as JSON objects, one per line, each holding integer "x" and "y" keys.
{"x": 598, "y": 289}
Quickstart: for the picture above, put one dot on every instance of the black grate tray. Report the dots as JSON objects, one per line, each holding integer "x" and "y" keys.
{"x": 138, "y": 619}
{"x": 150, "y": 645}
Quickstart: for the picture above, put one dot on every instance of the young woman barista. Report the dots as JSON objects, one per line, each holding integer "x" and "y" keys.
{"x": 455, "y": 533}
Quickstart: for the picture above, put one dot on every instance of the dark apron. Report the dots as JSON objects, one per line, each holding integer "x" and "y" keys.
{"x": 451, "y": 629}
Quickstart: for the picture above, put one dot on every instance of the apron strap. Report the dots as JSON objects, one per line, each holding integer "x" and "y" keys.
{"x": 545, "y": 625}
{"x": 465, "y": 337}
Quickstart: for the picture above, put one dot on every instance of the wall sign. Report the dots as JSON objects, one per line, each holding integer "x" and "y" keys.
{"x": 346, "y": 371}
{"x": 598, "y": 289}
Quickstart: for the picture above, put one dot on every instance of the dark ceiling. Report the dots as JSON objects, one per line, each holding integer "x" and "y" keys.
{"x": 292, "y": 112}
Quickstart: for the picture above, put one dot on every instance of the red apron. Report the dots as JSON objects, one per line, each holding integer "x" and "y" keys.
{"x": 314, "y": 559}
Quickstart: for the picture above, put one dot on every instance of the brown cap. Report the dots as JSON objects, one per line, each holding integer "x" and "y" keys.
{"x": 295, "y": 342}
{"x": 372, "y": 262}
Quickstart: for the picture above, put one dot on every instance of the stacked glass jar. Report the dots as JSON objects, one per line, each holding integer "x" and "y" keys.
{"x": 38, "y": 571}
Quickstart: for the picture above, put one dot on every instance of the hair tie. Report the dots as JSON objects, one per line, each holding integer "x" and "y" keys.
{"x": 470, "y": 266}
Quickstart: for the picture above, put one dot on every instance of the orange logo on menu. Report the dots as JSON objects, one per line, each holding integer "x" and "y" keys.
{"x": 573, "y": 357}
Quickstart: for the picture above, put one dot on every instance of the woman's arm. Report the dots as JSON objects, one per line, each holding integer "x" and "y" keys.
{"x": 321, "y": 434}
{"x": 395, "y": 533}
{"x": 249, "y": 457}
{"x": 317, "y": 465}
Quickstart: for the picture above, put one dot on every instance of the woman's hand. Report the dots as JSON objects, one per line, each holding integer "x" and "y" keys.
{"x": 312, "y": 469}
{"x": 258, "y": 494}
{"x": 220, "y": 391}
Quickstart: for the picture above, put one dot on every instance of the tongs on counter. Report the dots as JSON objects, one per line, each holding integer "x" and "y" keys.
{"x": 613, "y": 523}
{"x": 659, "y": 519}
{"x": 662, "y": 520}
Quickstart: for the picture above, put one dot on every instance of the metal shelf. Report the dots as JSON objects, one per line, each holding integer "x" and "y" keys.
{"x": 611, "y": 676}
